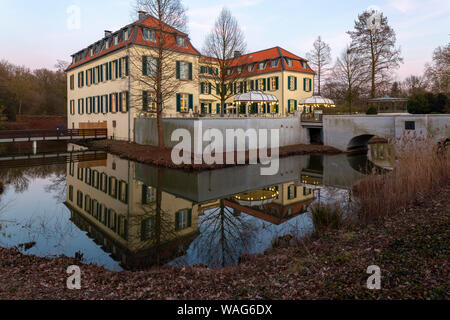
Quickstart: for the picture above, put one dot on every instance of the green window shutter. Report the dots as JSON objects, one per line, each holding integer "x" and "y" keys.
{"x": 276, "y": 83}
{"x": 295, "y": 105}
{"x": 189, "y": 218}
{"x": 144, "y": 100}
{"x": 177, "y": 221}
{"x": 178, "y": 69}
{"x": 202, "y": 107}
{"x": 191, "y": 101}
{"x": 252, "y": 85}
{"x": 209, "y": 88}
{"x": 127, "y": 99}
{"x": 218, "y": 108}
{"x": 178, "y": 102}
{"x": 144, "y": 66}
{"x": 304, "y": 84}
{"x": 120, "y": 101}
{"x": 110, "y": 102}
{"x": 127, "y": 66}
{"x": 310, "y": 84}
{"x": 120, "y": 68}
{"x": 116, "y": 71}
{"x": 245, "y": 86}
{"x": 289, "y": 106}
{"x": 268, "y": 84}
{"x": 217, "y": 89}
{"x": 264, "y": 84}
{"x": 190, "y": 71}
{"x": 202, "y": 88}
{"x": 295, "y": 81}
{"x": 289, "y": 83}
{"x": 144, "y": 194}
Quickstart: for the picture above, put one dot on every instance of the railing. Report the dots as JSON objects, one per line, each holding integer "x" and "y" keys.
{"x": 311, "y": 117}
{"x": 63, "y": 134}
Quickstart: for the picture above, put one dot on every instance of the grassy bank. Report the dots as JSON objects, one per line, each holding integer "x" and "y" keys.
{"x": 162, "y": 158}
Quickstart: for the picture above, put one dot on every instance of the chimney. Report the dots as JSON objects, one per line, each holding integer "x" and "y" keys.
{"x": 142, "y": 14}
{"x": 107, "y": 33}
{"x": 237, "y": 54}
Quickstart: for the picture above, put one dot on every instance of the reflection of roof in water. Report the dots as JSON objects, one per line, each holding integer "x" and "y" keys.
{"x": 257, "y": 197}
{"x": 273, "y": 212}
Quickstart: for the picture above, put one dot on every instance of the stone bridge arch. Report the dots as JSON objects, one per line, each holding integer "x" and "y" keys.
{"x": 350, "y": 132}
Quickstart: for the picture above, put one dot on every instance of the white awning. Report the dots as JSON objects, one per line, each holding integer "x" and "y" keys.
{"x": 255, "y": 96}
{"x": 316, "y": 100}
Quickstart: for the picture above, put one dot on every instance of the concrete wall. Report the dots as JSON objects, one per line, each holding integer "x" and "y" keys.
{"x": 344, "y": 132}
{"x": 291, "y": 132}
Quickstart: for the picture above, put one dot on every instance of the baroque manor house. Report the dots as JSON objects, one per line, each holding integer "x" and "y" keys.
{"x": 102, "y": 94}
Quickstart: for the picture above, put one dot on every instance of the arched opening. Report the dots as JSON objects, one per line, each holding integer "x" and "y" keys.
{"x": 360, "y": 142}
{"x": 315, "y": 136}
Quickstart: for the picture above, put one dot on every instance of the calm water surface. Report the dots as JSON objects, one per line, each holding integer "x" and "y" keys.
{"x": 123, "y": 215}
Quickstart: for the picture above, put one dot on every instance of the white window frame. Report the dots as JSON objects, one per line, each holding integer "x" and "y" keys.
{"x": 184, "y": 102}
{"x": 184, "y": 70}
{"x": 181, "y": 41}
{"x": 261, "y": 66}
{"x": 148, "y": 34}
{"x": 274, "y": 63}
{"x": 250, "y": 67}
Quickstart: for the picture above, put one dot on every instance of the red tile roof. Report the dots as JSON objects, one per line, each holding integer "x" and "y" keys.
{"x": 136, "y": 37}
{"x": 243, "y": 61}
{"x": 267, "y": 56}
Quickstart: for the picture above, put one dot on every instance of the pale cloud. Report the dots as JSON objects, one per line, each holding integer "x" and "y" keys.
{"x": 403, "y": 5}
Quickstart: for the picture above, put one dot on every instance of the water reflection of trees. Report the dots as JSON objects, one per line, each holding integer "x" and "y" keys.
{"x": 225, "y": 236}
{"x": 19, "y": 178}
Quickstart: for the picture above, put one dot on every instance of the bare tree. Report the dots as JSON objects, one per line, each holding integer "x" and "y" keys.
{"x": 376, "y": 46}
{"x": 438, "y": 72}
{"x": 319, "y": 57}
{"x": 225, "y": 40}
{"x": 414, "y": 84}
{"x": 157, "y": 73}
{"x": 349, "y": 72}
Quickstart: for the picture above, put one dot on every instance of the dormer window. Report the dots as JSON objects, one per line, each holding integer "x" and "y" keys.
{"x": 126, "y": 34}
{"x": 91, "y": 52}
{"x": 148, "y": 35}
{"x": 116, "y": 40}
{"x": 250, "y": 67}
{"x": 239, "y": 70}
{"x": 289, "y": 62}
{"x": 229, "y": 71}
{"x": 181, "y": 41}
{"x": 274, "y": 63}
{"x": 304, "y": 65}
{"x": 262, "y": 66}
{"x": 107, "y": 44}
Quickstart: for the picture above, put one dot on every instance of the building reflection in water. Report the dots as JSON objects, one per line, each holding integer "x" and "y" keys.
{"x": 143, "y": 225}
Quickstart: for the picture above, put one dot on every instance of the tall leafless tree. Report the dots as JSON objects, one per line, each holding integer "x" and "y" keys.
{"x": 414, "y": 84}
{"x": 438, "y": 72}
{"x": 160, "y": 74}
{"x": 348, "y": 71}
{"x": 224, "y": 40}
{"x": 320, "y": 58}
{"x": 376, "y": 45}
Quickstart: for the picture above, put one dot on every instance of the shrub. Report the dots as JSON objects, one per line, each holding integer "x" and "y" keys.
{"x": 371, "y": 110}
{"x": 326, "y": 217}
